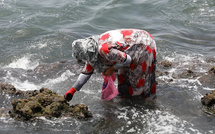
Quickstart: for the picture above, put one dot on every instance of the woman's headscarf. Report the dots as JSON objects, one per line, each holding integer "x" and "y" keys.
{"x": 86, "y": 49}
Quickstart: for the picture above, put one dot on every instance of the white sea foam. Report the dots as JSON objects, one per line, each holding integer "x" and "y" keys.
{"x": 181, "y": 63}
{"x": 27, "y": 85}
{"x": 207, "y": 88}
{"x": 21, "y": 85}
{"x": 88, "y": 91}
{"x": 154, "y": 121}
{"x": 165, "y": 122}
{"x": 64, "y": 76}
{"x": 24, "y": 62}
{"x": 40, "y": 45}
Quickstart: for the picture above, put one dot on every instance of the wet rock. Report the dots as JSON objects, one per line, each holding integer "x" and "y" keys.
{"x": 208, "y": 101}
{"x": 210, "y": 60}
{"x": 188, "y": 72}
{"x": 3, "y": 112}
{"x": 170, "y": 80}
{"x": 185, "y": 74}
{"x": 10, "y": 89}
{"x": 208, "y": 79}
{"x": 43, "y": 102}
{"x": 166, "y": 63}
{"x": 46, "y": 103}
{"x": 159, "y": 73}
{"x": 212, "y": 70}
{"x": 165, "y": 73}
{"x": 79, "y": 111}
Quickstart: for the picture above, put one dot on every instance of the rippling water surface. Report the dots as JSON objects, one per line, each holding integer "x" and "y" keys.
{"x": 37, "y": 32}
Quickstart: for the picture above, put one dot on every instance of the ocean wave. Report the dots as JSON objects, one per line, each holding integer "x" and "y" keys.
{"x": 20, "y": 84}
{"x": 152, "y": 121}
{"x": 64, "y": 76}
{"x": 24, "y": 62}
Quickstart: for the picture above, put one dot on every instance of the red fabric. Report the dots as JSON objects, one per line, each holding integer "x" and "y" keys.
{"x": 132, "y": 66}
{"x": 126, "y": 32}
{"x": 144, "y": 65}
{"x": 153, "y": 88}
{"x": 154, "y": 53}
{"x": 125, "y": 55}
{"x": 105, "y": 36}
{"x": 119, "y": 43}
{"x": 130, "y": 90}
{"x": 124, "y": 48}
{"x": 121, "y": 78}
{"x": 89, "y": 68}
{"x": 150, "y": 35}
{"x": 140, "y": 83}
{"x": 114, "y": 62}
{"x": 105, "y": 48}
{"x": 109, "y": 90}
{"x": 144, "y": 97}
{"x": 148, "y": 49}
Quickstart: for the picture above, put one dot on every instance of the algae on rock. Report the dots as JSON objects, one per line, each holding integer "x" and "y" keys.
{"x": 208, "y": 102}
{"x": 43, "y": 102}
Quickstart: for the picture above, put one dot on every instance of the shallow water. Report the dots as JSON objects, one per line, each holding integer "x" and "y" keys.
{"x": 35, "y": 32}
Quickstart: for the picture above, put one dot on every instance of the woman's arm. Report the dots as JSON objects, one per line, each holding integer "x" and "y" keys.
{"x": 117, "y": 66}
{"x": 82, "y": 79}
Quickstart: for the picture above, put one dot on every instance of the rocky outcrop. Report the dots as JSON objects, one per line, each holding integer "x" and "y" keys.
{"x": 10, "y": 89}
{"x": 212, "y": 70}
{"x": 43, "y": 102}
{"x": 208, "y": 101}
{"x": 205, "y": 78}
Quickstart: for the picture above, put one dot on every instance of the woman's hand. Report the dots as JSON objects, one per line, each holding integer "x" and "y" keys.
{"x": 69, "y": 94}
{"x": 109, "y": 71}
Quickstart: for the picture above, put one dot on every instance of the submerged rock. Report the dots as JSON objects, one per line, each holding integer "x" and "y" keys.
{"x": 186, "y": 74}
{"x": 166, "y": 63}
{"x": 208, "y": 79}
{"x": 43, "y": 102}
{"x": 208, "y": 101}
{"x": 167, "y": 69}
{"x": 212, "y": 70}
{"x": 210, "y": 60}
{"x": 10, "y": 89}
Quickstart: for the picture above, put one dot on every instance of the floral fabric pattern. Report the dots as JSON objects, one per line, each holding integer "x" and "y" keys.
{"x": 138, "y": 78}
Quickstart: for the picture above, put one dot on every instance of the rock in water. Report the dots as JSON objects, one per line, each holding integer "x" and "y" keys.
{"x": 9, "y": 89}
{"x": 166, "y": 63}
{"x": 45, "y": 103}
{"x": 208, "y": 101}
{"x": 212, "y": 70}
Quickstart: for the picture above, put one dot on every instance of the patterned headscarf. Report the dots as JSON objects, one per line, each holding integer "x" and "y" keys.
{"x": 86, "y": 49}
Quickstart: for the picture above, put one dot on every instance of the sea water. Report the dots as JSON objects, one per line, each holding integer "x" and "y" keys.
{"x": 41, "y": 32}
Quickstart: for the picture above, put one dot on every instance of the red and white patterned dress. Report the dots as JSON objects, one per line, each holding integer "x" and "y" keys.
{"x": 138, "y": 78}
